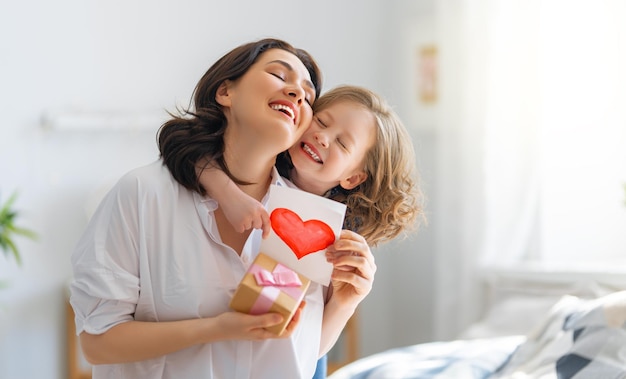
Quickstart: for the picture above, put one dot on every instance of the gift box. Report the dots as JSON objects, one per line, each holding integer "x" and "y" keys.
{"x": 269, "y": 286}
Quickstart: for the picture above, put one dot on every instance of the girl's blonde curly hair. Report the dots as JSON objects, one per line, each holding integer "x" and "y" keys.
{"x": 389, "y": 202}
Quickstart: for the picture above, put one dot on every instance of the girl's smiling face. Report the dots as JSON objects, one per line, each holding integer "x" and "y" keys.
{"x": 333, "y": 149}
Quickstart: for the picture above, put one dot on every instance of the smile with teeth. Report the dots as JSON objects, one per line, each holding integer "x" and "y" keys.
{"x": 308, "y": 150}
{"x": 285, "y": 109}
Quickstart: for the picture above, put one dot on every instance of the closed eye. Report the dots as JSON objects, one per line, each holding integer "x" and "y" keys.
{"x": 310, "y": 97}
{"x": 279, "y": 76}
{"x": 319, "y": 121}
{"x": 342, "y": 144}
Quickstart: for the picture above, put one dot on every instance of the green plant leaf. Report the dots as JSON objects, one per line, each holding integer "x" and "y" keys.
{"x": 25, "y": 232}
{"x": 6, "y": 207}
{"x": 8, "y": 230}
{"x": 16, "y": 253}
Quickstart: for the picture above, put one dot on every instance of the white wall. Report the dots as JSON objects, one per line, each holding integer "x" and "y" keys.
{"x": 402, "y": 299}
{"x": 145, "y": 56}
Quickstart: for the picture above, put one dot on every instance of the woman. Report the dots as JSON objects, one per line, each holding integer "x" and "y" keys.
{"x": 158, "y": 263}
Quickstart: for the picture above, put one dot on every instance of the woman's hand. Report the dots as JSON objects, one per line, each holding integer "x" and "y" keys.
{"x": 354, "y": 269}
{"x": 242, "y": 326}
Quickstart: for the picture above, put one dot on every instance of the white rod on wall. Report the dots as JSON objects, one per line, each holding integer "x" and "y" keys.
{"x": 84, "y": 120}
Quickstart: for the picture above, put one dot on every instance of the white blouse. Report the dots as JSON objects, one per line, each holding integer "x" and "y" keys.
{"x": 152, "y": 252}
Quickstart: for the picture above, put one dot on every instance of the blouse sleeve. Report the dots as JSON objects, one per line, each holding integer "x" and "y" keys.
{"x": 105, "y": 288}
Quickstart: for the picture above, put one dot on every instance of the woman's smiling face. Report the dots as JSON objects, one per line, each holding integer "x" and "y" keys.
{"x": 272, "y": 100}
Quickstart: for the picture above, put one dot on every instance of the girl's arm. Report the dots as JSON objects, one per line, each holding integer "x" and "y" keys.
{"x": 352, "y": 280}
{"x": 137, "y": 340}
{"x": 241, "y": 210}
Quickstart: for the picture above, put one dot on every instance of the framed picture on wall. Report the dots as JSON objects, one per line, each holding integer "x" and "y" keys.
{"x": 427, "y": 74}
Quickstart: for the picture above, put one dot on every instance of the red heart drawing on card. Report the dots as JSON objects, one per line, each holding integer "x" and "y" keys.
{"x": 303, "y": 238}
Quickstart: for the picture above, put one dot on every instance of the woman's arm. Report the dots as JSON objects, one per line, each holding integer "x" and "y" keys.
{"x": 352, "y": 280}
{"x": 137, "y": 340}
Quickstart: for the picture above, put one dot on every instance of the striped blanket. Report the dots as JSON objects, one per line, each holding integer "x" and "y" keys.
{"x": 578, "y": 339}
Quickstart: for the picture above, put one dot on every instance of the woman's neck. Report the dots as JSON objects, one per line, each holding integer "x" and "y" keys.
{"x": 252, "y": 169}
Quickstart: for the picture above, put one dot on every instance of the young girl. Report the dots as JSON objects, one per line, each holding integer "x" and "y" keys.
{"x": 158, "y": 263}
{"x": 355, "y": 151}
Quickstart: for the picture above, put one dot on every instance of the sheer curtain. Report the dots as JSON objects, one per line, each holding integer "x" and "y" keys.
{"x": 532, "y": 142}
{"x": 555, "y": 157}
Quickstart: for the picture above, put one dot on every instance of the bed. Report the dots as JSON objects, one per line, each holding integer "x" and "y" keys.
{"x": 575, "y": 338}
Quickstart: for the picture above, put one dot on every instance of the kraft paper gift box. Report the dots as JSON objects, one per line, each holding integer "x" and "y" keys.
{"x": 269, "y": 286}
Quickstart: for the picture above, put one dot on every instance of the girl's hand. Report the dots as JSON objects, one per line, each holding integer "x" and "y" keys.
{"x": 354, "y": 268}
{"x": 244, "y": 213}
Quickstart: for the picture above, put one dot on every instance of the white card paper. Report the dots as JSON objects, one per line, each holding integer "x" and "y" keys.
{"x": 302, "y": 223}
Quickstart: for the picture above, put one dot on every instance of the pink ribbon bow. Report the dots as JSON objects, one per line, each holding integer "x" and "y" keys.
{"x": 282, "y": 278}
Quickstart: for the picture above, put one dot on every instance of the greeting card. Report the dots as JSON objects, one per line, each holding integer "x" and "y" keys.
{"x": 303, "y": 226}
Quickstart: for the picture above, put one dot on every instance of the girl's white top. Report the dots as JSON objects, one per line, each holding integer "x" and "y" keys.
{"x": 152, "y": 252}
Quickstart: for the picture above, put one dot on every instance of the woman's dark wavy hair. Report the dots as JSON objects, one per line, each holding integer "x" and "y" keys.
{"x": 196, "y": 135}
